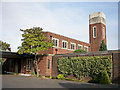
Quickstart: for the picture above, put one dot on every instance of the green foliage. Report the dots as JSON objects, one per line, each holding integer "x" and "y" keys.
{"x": 82, "y": 67}
{"x": 64, "y": 66}
{"x": 32, "y": 73}
{"x": 47, "y": 76}
{"x": 102, "y": 78}
{"x": 34, "y": 41}
{"x": 54, "y": 78}
{"x": 60, "y": 76}
{"x": 103, "y": 46}
{"x": 4, "y": 46}
{"x": 79, "y": 51}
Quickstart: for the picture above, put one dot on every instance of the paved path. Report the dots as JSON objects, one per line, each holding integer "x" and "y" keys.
{"x": 15, "y": 81}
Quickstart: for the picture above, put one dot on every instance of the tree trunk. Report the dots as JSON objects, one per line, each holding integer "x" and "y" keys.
{"x": 37, "y": 66}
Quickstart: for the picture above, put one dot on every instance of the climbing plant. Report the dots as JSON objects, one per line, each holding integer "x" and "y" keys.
{"x": 85, "y": 66}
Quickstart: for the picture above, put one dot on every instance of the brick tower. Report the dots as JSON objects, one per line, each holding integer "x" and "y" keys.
{"x": 97, "y": 30}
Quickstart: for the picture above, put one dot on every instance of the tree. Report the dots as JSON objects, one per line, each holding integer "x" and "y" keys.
{"x": 79, "y": 51}
{"x": 103, "y": 46}
{"x": 4, "y": 46}
{"x": 34, "y": 41}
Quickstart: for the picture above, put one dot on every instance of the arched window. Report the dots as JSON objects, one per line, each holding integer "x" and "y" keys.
{"x": 94, "y": 32}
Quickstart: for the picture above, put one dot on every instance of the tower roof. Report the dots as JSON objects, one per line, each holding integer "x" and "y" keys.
{"x": 97, "y": 14}
{"x": 97, "y": 17}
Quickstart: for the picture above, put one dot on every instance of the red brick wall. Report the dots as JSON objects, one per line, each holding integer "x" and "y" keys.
{"x": 115, "y": 59}
{"x": 60, "y": 50}
{"x": 42, "y": 65}
{"x": 95, "y": 42}
{"x": 49, "y": 71}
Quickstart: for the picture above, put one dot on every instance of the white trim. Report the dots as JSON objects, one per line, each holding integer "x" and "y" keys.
{"x": 86, "y": 47}
{"x": 93, "y": 31}
{"x": 57, "y": 42}
{"x": 74, "y": 44}
{"x": 80, "y": 45}
{"x": 66, "y": 42}
{"x": 103, "y": 32}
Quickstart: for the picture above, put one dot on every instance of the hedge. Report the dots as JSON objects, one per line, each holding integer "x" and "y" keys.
{"x": 84, "y": 66}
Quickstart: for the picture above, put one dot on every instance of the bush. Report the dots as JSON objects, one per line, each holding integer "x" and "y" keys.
{"x": 47, "y": 76}
{"x": 60, "y": 76}
{"x": 79, "y": 51}
{"x": 85, "y": 66}
{"x": 54, "y": 78}
{"x": 102, "y": 78}
{"x": 32, "y": 73}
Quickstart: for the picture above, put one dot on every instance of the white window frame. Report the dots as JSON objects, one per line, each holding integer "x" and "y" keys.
{"x": 86, "y": 47}
{"x": 57, "y": 42}
{"x": 66, "y": 42}
{"x": 93, "y": 32}
{"x": 103, "y": 32}
{"x": 74, "y": 44}
{"x": 81, "y": 46}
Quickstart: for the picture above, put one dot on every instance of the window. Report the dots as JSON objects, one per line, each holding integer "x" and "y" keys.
{"x": 103, "y": 32}
{"x": 94, "y": 32}
{"x": 79, "y": 46}
{"x": 86, "y": 48}
{"x": 73, "y": 46}
{"x": 64, "y": 44}
{"x": 48, "y": 64}
{"x": 29, "y": 64}
{"x": 55, "y": 41}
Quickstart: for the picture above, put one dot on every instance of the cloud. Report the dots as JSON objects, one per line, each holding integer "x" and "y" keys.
{"x": 66, "y": 19}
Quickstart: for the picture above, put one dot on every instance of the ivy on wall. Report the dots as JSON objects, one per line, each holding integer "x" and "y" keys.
{"x": 85, "y": 66}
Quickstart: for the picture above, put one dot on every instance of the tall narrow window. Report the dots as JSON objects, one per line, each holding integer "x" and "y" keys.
{"x": 48, "y": 64}
{"x": 79, "y": 46}
{"x": 29, "y": 64}
{"x": 94, "y": 32}
{"x": 55, "y": 42}
{"x": 103, "y": 32}
{"x": 86, "y": 48}
{"x": 64, "y": 44}
{"x": 73, "y": 45}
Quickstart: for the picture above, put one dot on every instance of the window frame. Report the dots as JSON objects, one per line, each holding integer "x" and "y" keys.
{"x": 74, "y": 45}
{"x": 103, "y": 32}
{"x": 66, "y": 45}
{"x": 48, "y": 64}
{"x": 29, "y": 64}
{"x": 80, "y": 45}
{"x": 86, "y": 47}
{"x": 94, "y": 32}
{"x": 57, "y": 42}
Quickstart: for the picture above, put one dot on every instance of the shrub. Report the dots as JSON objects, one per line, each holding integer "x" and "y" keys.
{"x": 54, "y": 78}
{"x": 102, "y": 78}
{"x": 32, "y": 73}
{"x": 79, "y": 51}
{"x": 47, "y": 76}
{"x": 60, "y": 76}
{"x": 85, "y": 66}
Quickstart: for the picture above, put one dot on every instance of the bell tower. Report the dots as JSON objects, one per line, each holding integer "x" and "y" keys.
{"x": 97, "y": 30}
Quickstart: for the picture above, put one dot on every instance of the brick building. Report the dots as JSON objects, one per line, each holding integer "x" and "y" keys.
{"x": 62, "y": 45}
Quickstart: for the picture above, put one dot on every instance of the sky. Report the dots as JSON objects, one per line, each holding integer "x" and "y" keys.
{"x": 69, "y": 19}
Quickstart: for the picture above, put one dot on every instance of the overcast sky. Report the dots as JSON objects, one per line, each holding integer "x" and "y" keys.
{"x": 70, "y": 19}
